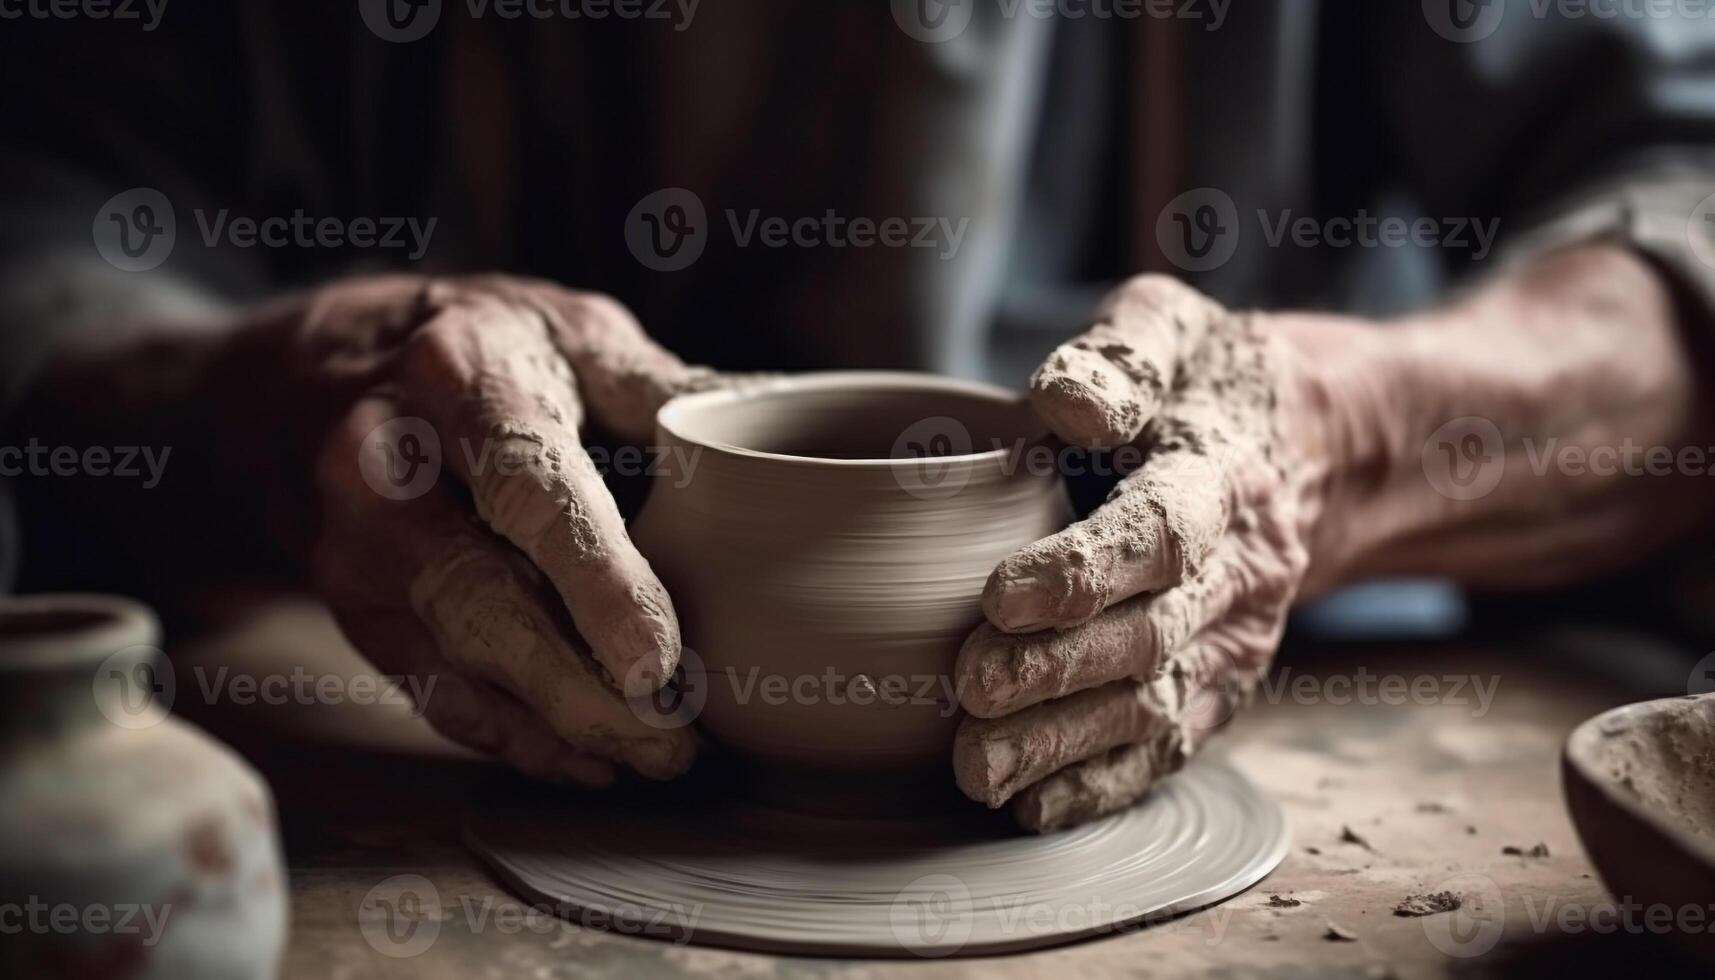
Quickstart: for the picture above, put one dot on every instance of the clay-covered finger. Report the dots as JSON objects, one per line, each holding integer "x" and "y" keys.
{"x": 1156, "y": 530}
{"x": 491, "y": 721}
{"x": 487, "y": 374}
{"x": 999, "y": 673}
{"x": 994, "y": 758}
{"x": 469, "y": 712}
{"x": 1097, "y": 787}
{"x": 482, "y": 607}
{"x": 493, "y": 618}
{"x": 1100, "y": 389}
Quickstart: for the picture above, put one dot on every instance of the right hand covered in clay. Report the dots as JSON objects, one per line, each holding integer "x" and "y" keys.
{"x": 509, "y": 578}
{"x": 1284, "y": 454}
{"x": 1083, "y": 690}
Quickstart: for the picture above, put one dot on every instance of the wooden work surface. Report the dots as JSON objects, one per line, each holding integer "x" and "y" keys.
{"x": 1434, "y": 791}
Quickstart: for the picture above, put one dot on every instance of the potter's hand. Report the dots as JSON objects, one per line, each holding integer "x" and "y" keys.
{"x": 1113, "y": 647}
{"x": 1288, "y": 453}
{"x": 509, "y": 578}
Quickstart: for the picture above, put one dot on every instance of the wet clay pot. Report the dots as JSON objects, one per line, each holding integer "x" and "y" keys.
{"x": 131, "y": 844}
{"x": 826, "y": 539}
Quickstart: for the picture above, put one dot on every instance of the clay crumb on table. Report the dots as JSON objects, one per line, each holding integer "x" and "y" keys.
{"x": 1420, "y": 905}
{"x": 1339, "y": 934}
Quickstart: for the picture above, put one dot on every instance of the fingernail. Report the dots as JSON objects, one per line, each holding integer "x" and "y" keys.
{"x": 1020, "y": 603}
{"x": 1001, "y": 759}
{"x": 660, "y": 758}
{"x": 653, "y": 663}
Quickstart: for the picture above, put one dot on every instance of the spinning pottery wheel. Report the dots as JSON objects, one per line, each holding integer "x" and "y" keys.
{"x": 728, "y": 872}
{"x": 842, "y": 526}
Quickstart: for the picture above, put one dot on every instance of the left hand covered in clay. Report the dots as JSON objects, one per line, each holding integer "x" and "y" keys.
{"x": 1112, "y": 648}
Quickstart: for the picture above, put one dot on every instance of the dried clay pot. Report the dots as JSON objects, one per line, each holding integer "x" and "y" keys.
{"x": 826, "y": 548}
{"x": 131, "y": 844}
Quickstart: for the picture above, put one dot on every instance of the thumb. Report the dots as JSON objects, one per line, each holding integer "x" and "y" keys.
{"x": 1100, "y": 389}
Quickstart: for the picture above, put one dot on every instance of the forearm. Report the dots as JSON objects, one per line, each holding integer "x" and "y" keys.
{"x": 1575, "y": 370}
{"x": 153, "y": 455}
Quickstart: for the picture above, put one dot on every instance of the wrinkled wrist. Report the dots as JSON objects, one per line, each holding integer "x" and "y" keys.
{"x": 1453, "y": 469}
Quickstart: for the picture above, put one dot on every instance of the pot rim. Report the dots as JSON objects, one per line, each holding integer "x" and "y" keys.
{"x": 669, "y": 419}
{"x": 91, "y": 627}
